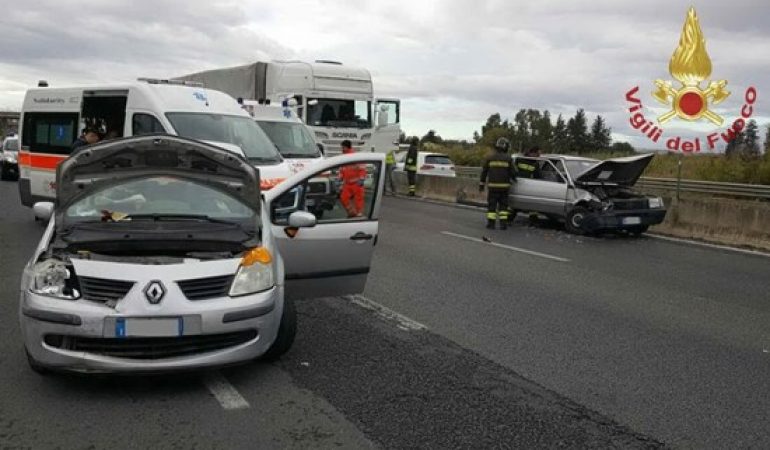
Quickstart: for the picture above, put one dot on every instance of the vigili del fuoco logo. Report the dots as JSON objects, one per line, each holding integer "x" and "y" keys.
{"x": 690, "y": 98}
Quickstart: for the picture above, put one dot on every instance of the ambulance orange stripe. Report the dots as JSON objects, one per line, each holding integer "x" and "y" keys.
{"x": 38, "y": 161}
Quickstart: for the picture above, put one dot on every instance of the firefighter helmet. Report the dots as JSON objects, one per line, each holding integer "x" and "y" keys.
{"x": 503, "y": 144}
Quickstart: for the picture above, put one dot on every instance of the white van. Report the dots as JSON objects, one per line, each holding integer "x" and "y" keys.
{"x": 291, "y": 136}
{"x": 53, "y": 118}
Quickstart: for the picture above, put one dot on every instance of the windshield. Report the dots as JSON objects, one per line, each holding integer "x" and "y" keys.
{"x": 158, "y": 196}
{"x": 578, "y": 166}
{"x": 292, "y": 139}
{"x": 11, "y": 145}
{"x": 328, "y": 112}
{"x": 240, "y": 131}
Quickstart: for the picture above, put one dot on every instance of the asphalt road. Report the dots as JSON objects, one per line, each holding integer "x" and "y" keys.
{"x": 573, "y": 343}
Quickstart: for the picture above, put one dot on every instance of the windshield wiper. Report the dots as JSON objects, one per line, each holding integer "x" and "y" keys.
{"x": 262, "y": 159}
{"x": 196, "y": 217}
{"x": 300, "y": 155}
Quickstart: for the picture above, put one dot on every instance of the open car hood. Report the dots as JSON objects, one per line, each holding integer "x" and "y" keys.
{"x": 617, "y": 171}
{"x": 95, "y": 167}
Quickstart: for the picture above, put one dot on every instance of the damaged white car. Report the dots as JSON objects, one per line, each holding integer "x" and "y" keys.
{"x": 162, "y": 254}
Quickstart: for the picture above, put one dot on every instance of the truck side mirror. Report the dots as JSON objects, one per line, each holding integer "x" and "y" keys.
{"x": 321, "y": 149}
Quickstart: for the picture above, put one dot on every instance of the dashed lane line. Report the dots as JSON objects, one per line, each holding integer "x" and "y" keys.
{"x": 224, "y": 392}
{"x": 402, "y": 322}
{"x": 506, "y": 247}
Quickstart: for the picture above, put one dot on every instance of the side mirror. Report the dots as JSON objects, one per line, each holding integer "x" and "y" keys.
{"x": 384, "y": 107}
{"x": 43, "y": 210}
{"x": 321, "y": 149}
{"x": 302, "y": 219}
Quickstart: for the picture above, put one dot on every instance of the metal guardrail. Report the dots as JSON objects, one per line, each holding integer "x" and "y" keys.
{"x": 756, "y": 191}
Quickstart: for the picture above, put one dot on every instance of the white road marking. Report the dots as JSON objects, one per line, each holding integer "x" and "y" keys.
{"x": 224, "y": 392}
{"x": 506, "y": 247}
{"x": 707, "y": 245}
{"x": 386, "y": 313}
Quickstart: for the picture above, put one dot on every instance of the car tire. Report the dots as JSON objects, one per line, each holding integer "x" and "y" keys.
{"x": 574, "y": 220}
{"x": 638, "y": 230}
{"x": 36, "y": 366}
{"x": 286, "y": 333}
{"x": 4, "y": 174}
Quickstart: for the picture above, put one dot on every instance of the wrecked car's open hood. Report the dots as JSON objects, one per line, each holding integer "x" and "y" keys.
{"x": 94, "y": 167}
{"x": 617, "y": 171}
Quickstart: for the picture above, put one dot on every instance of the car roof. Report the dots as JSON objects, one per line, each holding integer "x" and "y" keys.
{"x": 273, "y": 114}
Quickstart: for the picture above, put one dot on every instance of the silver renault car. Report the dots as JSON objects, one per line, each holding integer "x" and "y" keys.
{"x": 161, "y": 253}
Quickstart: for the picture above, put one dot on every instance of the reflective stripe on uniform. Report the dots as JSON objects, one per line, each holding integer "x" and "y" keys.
{"x": 528, "y": 167}
{"x": 499, "y": 164}
{"x": 492, "y": 216}
{"x": 504, "y": 215}
{"x": 498, "y": 185}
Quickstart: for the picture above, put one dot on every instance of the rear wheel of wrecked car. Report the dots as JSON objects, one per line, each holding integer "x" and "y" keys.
{"x": 575, "y": 219}
{"x": 36, "y": 366}
{"x": 286, "y": 332}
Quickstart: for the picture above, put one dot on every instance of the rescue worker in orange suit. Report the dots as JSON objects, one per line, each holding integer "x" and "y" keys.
{"x": 496, "y": 176}
{"x": 353, "y": 177}
{"x": 410, "y": 165}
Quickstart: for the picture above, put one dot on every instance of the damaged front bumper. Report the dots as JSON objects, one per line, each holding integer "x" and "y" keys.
{"x": 83, "y": 336}
{"x": 623, "y": 219}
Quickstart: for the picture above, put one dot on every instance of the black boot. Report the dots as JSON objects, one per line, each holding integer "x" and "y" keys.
{"x": 504, "y": 224}
{"x": 490, "y": 224}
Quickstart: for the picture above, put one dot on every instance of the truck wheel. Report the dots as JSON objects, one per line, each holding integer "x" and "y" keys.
{"x": 286, "y": 332}
{"x": 574, "y": 220}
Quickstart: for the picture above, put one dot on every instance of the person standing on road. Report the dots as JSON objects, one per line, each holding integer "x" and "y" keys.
{"x": 410, "y": 166}
{"x": 390, "y": 166}
{"x": 496, "y": 176}
{"x": 353, "y": 177}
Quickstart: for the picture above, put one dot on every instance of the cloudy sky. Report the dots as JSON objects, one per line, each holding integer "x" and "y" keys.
{"x": 452, "y": 62}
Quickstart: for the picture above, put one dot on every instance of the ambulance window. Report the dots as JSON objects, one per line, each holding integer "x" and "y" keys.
{"x": 145, "y": 124}
{"x": 49, "y": 132}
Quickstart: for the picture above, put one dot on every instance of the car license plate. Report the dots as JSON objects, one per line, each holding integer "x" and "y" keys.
{"x": 632, "y": 220}
{"x": 149, "y": 327}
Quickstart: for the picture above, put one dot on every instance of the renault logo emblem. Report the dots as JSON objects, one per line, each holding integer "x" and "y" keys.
{"x": 154, "y": 292}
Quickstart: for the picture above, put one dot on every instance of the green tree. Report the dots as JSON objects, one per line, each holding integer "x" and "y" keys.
{"x": 600, "y": 135}
{"x": 751, "y": 139}
{"x": 544, "y": 132}
{"x": 559, "y": 137}
{"x": 622, "y": 148}
{"x": 577, "y": 130}
{"x": 767, "y": 141}
{"x": 734, "y": 147}
{"x": 431, "y": 137}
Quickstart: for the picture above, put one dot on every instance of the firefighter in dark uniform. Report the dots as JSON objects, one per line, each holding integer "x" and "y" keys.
{"x": 410, "y": 166}
{"x": 497, "y": 175}
{"x": 526, "y": 167}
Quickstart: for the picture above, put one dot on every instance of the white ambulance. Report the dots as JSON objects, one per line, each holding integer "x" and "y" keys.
{"x": 53, "y": 118}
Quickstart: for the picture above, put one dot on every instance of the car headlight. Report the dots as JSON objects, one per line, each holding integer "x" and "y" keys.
{"x": 53, "y": 278}
{"x": 255, "y": 273}
{"x": 656, "y": 202}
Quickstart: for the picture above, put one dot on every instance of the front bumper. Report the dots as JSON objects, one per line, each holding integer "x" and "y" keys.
{"x": 623, "y": 219}
{"x": 80, "y": 336}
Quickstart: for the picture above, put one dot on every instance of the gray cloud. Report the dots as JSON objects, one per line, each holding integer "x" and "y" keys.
{"x": 453, "y": 62}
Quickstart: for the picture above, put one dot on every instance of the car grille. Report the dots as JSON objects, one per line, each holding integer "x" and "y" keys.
{"x": 151, "y": 347}
{"x": 630, "y": 203}
{"x": 104, "y": 290}
{"x": 204, "y": 288}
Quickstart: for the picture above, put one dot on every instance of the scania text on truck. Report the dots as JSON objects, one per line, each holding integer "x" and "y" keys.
{"x": 336, "y": 101}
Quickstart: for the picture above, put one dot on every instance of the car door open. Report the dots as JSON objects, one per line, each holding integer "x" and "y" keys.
{"x": 326, "y": 236}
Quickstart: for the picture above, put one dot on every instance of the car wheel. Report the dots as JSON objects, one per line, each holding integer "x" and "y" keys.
{"x": 36, "y": 366}
{"x": 4, "y": 174}
{"x": 638, "y": 230}
{"x": 574, "y": 220}
{"x": 286, "y": 332}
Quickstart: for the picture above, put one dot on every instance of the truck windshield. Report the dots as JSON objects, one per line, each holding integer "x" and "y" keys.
{"x": 292, "y": 139}
{"x": 339, "y": 113}
{"x": 240, "y": 131}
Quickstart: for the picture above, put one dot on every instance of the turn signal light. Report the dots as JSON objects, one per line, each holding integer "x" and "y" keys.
{"x": 256, "y": 255}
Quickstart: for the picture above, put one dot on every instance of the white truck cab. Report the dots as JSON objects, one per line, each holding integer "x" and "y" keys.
{"x": 53, "y": 118}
